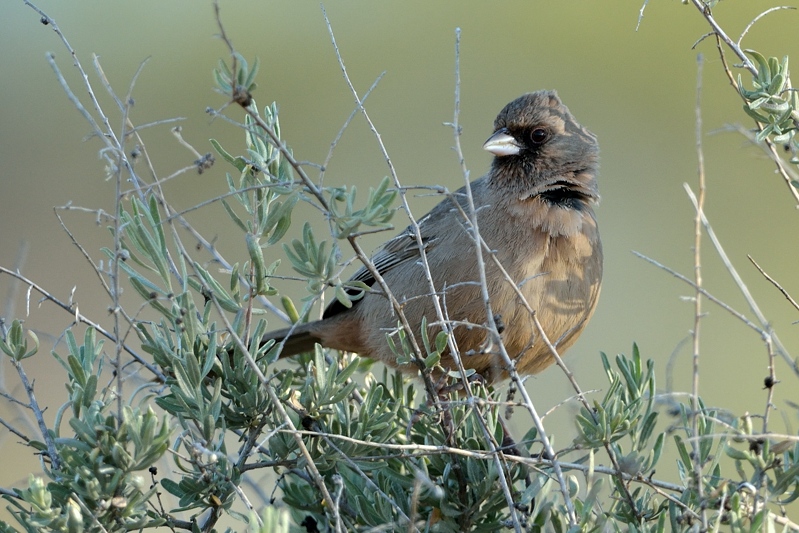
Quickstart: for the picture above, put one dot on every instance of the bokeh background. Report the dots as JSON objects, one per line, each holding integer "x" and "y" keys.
{"x": 634, "y": 89}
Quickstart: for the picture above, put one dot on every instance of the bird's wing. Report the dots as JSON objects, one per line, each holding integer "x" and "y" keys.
{"x": 404, "y": 247}
{"x": 399, "y": 250}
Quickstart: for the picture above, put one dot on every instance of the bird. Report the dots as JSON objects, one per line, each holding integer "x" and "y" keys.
{"x": 534, "y": 210}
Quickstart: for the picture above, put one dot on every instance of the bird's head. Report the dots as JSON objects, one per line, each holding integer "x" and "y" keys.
{"x": 539, "y": 147}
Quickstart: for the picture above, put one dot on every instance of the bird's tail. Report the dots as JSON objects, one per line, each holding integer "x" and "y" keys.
{"x": 295, "y": 339}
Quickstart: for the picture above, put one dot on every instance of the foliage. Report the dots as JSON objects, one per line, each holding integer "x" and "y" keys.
{"x": 99, "y": 479}
{"x": 349, "y": 451}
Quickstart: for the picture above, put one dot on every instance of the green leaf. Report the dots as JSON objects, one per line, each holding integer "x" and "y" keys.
{"x": 777, "y": 84}
{"x": 90, "y": 390}
{"x": 683, "y": 451}
{"x": 764, "y": 72}
{"x": 441, "y": 341}
{"x": 146, "y": 289}
{"x": 257, "y": 261}
{"x": 237, "y": 162}
{"x": 432, "y": 360}
{"x": 172, "y": 488}
{"x": 249, "y": 81}
{"x": 76, "y": 370}
{"x": 347, "y": 372}
{"x": 342, "y": 297}
{"x": 282, "y": 216}
{"x": 345, "y": 391}
{"x": 290, "y": 309}
{"x": 218, "y": 292}
{"x": 234, "y": 217}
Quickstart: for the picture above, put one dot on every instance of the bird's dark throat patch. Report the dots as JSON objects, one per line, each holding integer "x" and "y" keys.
{"x": 564, "y": 194}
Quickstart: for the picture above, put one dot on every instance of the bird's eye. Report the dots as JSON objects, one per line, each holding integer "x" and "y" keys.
{"x": 539, "y": 136}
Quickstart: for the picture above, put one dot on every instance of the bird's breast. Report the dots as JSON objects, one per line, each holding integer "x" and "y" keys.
{"x": 558, "y": 272}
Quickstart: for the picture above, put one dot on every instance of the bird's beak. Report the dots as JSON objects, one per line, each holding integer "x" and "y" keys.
{"x": 502, "y": 143}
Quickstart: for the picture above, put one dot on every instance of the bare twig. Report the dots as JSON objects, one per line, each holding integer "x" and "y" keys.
{"x": 412, "y": 450}
{"x": 740, "y": 316}
{"x": 519, "y": 382}
{"x": 14, "y": 430}
{"x": 771, "y": 380}
{"x": 768, "y": 333}
{"x": 775, "y": 283}
{"x": 697, "y": 456}
{"x": 705, "y": 10}
{"x": 13, "y": 291}
{"x": 109, "y": 291}
{"x": 411, "y": 335}
{"x": 80, "y": 318}
{"x": 641, "y": 14}
{"x": 344, "y": 126}
{"x": 492, "y": 326}
{"x": 760, "y": 16}
{"x": 589, "y": 409}
{"x": 55, "y": 459}
{"x": 788, "y": 174}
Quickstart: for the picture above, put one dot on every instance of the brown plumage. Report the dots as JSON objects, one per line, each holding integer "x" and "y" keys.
{"x": 534, "y": 209}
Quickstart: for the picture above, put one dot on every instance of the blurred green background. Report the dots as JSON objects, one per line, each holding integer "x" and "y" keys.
{"x": 635, "y": 90}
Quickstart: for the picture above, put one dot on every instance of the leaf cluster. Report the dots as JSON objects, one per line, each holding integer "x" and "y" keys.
{"x": 99, "y": 482}
{"x": 772, "y": 101}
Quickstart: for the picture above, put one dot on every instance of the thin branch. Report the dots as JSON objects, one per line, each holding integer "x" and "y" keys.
{"x": 492, "y": 326}
{"x": 519, "y": 382}
{"x": 697, "y": 456}
{"x": 760, "y": 16}
{"x": 771, "y": 380}
{"x": 775, "y": 283}
{"x": 13, "y": 291}
{"x": 769, "y": 335}
{"x": 740, "y": 316}
{"x": 80, "y": 318}
{"x": 538, "y": 461}
{"x": 9, "y": 493}
{"x": 788, "y": 174}
{"x": 411, "y": 335}
{"x": 14, "y": 430}
{"x": 52, "y": 452}
{"x": 705, "y": 10}
{"x": 344, "y": 126}
{"x": 177, "y": 215}
{"x": 641, "y": 14}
